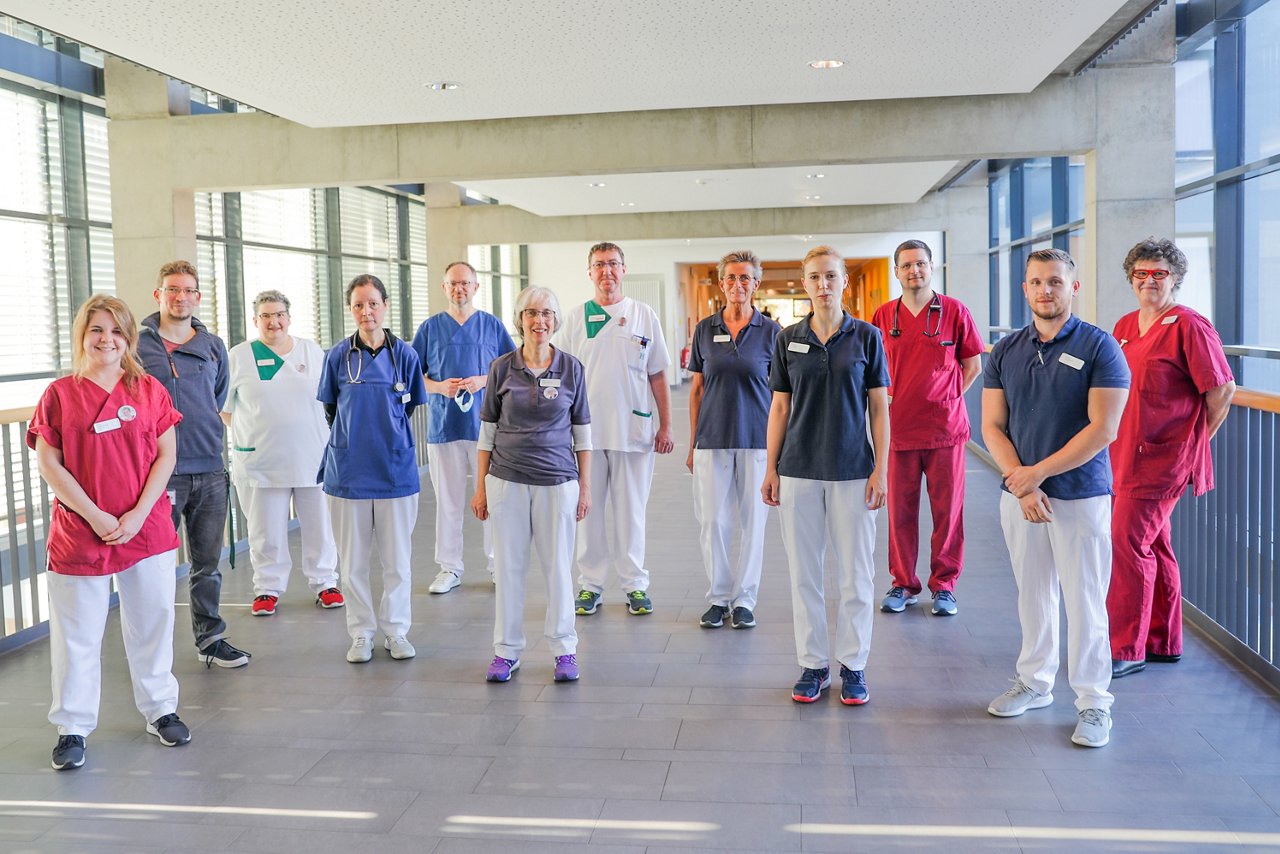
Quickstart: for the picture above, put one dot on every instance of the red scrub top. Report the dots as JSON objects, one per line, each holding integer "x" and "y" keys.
{"x": 1164, "y": 442}
{"x": 111, "y": 466}
{"x": 928, "y": 408}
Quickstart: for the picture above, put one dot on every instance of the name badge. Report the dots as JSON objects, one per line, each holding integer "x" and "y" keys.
{"x": 597, "y": 318}
{"x": 721, "y": 339}
{"x": 106, "y": 426}
{"x": 547, "y": 382}
{"x": 1071, "y": 361}
{"x": 406, "y": 397}
{"x": 266, "y": 363}
{"x": 797, "y": 347}
{"x": 1170, "y": 319}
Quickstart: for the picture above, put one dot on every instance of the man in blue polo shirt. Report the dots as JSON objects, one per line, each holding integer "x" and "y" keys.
{"x": 1052, "y": 396}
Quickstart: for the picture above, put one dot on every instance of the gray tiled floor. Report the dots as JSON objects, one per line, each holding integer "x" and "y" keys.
{"x": 677, "y": 739}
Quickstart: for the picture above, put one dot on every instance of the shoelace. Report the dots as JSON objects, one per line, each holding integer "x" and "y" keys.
{"x": 1093, "y": 716}
{"x": 898, "y": 591}
{"x": 944, "y": 594}
{"x": 209, "y": 655}
{"x": 566, "y": 659}
{"x": 1019, "y": 687}
{"x": 65, "y": 741}
{"x": 165, "y": 720}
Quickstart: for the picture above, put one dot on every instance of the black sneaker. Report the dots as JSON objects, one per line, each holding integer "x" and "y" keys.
{"x": 812, "y": 682}
{"x": 853, "y": 688}
{"x": 743, "y": 618}
{"x": 170, "y": 730}
{"x": 714, "y": 618}
{"x": 223, "y": 654}
{"x": 68, "y": 753}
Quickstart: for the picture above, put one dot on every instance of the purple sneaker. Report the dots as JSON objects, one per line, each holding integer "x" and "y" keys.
{"x": 502, "y": 668}
{"x": 566, "y": 668}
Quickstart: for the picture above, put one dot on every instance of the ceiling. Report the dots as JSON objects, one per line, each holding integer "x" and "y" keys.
{"x": 358, "y": 62}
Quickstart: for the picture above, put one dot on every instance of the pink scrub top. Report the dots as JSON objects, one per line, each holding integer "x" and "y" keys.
{"x": 111, "y": 464}
{"x": 1163, "y": 442}
{"x": 928, "y": 408}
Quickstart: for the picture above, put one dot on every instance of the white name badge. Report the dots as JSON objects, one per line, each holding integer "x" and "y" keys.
{"x": 547, "y": 382}
{"x": 106, "y": 426}
{"x": 1170, "y": 319}
{"x": 721, "y": 339}
{"x": 1071, "y": 361}
{"x": 797, "y": 347}
{"x": 266, "y": 363}
{"x": 406, "y": 397}
{"x": 598, "y": 318}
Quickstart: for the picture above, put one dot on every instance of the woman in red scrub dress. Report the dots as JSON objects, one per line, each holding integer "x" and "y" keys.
{"x": 105, "y": 444}
{"x": 1183, "y": 390}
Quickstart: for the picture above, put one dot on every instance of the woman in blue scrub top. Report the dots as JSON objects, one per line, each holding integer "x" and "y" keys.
{"x": 370, "y": 386}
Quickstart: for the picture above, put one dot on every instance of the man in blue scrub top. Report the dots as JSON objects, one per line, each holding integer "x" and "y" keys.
{"x": 1052, "y": 397}
{"x": 455, "y": 348}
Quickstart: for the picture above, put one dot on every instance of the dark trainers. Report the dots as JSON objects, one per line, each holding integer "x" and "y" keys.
{"x": 264, "y": 605}
{"x": 638, "y": 602}
{"x": 853, "y": 688}
{"x": 223, "y": 654}
{"x": 566, "y": 668}
{"x": 586, "y": 602}
{"x": 944, "y": 604}
{"x": 170, "y": 730}
{"x": 500, "y": 669}
{"x": 897, "y": 600}
{"x": 714, "y": 617}
{"x": 68, "y": 753}
{"x": 812, "y": 682}
{"x": 743, "y": 618}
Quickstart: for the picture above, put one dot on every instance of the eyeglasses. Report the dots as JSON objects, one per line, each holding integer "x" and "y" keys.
{"x": 745, "y": 278}
{"x": 535, "y": 313}
{"x": 181, "y": 292}
{"x": 462, "y": 284}
{"x": 1158, "y": 275}
{"x": 275, "y": 315}
{"x": 600, "y": 265}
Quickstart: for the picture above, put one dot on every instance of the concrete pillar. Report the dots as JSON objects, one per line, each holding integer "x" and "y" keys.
{"x": 1129, "y": 174}
{"x": 152, "y": 222}
{"x": 968, "y": 269}
{"x": 445, "y": 240}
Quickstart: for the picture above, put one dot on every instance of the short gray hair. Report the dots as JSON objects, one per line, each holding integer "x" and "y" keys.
{"x": 270, "y": 295}
{"x": 537, "y": 294}
{"x": 740, "y": 257}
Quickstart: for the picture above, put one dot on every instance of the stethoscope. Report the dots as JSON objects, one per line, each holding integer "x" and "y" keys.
{"x": 354, "y": 379}
{"x": 935, "y": 304}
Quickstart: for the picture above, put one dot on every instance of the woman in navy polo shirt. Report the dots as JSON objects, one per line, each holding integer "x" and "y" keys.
{"x": 729, "y": 361}
{"x": 829, "y": 373}
{"x": 532, "y": 476}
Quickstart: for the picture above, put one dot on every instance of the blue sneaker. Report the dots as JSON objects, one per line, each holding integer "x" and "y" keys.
{"x": 944, "y": 604}
{"x": 812, "y": 682}
{"x": 897, "y": 600}
{"x": 638, "y": 602}
{"x": 68, "y": 753}
{"x": 853, "y": 690}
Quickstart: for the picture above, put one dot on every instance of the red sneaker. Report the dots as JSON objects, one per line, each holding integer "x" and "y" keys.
{"x": 264, "y": 605}
{"x": 331, "y": 598}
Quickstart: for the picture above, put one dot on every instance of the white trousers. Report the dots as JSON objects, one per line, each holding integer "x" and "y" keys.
{"x": 449, "y": 465}
{"x": 620, "y": 483}
{"x": 527, "y": 519}
{"x": 360, "y": 524}
{"x": 815, "y": 514}
{"x": 726, "y": 500}
{"x": 266, "y": 510}
{"x": 1071, "y": 553}
{"x": 78, "y": 607}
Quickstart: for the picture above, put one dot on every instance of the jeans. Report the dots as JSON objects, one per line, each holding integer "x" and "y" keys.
{"x": 201, "y": 499}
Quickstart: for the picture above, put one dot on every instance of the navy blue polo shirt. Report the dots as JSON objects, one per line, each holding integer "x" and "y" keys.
{"x": 826, "y": 435}
{"x": 1046, "y": 387}
{"x": 734, "y": 412}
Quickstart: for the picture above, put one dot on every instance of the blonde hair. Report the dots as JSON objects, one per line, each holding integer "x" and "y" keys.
{"x": 133, "y": 371}
{"x": 818, "y": 252}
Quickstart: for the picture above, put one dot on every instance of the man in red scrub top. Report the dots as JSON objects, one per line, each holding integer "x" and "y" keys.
{"x": 934, "y": 351}
{"x": 1183, "y": 387}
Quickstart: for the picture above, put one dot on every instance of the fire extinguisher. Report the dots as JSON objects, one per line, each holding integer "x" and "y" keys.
{"x": 684, "y": 358}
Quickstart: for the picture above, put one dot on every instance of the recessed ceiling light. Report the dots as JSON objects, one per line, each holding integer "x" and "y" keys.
{"x": 628, "y": 204}
{"x": 815, "y": 175}
{"x": 701, "y": 182}
{"x": 442, "y": 86}
{"x": 812, "y": 198}
{"x": 596, "y": 184}
{"x": 826, "y": 63}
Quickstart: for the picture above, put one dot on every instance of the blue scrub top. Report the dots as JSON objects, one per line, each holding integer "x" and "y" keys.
{"x": 734, "y": 413}
{"x": 448, "y": 349}
{"x": 826, "y": 436}
{"x": 1046, "y": 387}
{"x": 371, "y": 452}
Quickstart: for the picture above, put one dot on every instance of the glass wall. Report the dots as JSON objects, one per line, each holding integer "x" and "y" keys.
{"x": 502, "y": 271}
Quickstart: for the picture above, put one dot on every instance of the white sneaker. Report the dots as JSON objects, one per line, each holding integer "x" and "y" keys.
{"x": 1094, "y": 728}
{"x": 399, "y": 647}
{"x": 446, "y": 580}
{"x": 1017, "y": 700}
{"x": 361, "y": 650}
